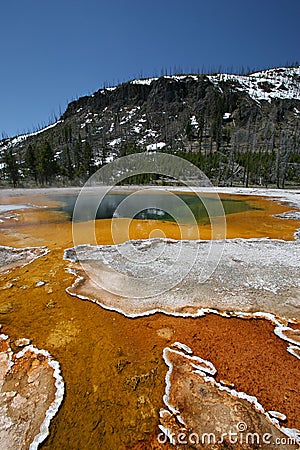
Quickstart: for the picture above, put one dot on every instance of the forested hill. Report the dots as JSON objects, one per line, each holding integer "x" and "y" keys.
{"x": 239, "y": 129}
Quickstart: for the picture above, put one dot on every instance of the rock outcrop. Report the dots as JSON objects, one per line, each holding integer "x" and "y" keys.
{"x": 31, "y": 391}
{"x": 204, "y": 413}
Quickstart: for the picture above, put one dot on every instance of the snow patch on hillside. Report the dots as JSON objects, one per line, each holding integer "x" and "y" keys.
{"x": 156, "y": 146}
{"x": 282, "y": 83}
{"x": 18, "y": 139}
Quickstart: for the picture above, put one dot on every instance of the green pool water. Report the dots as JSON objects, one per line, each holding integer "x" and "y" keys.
{"x": 181, "y": 208}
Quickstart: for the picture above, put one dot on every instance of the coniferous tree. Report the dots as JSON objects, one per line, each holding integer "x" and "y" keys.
{"x": 69, "y": 164}
{"x": 104, "y": 155}
{"x": 31, "y": 162}
{"x": 11, "y": 167}
{"x": 78, "y": 156}
{"x": 47, "y": 167}
{"x": 87, "y": 163}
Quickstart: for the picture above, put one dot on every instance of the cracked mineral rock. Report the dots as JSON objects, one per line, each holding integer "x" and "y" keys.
{"x": 202, "y": 413}
{"x": 31, "y": 391}
{"x": 11, "y": 257}
{"x": 294, "y": 215}
{"x": 182, "y": 277}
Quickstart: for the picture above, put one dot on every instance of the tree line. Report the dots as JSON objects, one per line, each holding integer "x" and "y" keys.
{"x": 42, "y": 166}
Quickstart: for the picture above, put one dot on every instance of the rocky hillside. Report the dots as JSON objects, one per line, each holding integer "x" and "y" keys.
{"x": 237, "y": 129}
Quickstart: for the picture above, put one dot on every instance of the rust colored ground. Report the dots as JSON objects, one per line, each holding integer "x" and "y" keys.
{"x": 112, "y": 365}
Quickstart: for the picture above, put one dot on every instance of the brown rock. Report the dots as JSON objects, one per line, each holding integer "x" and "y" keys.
{"x": 30, "y": 386}
{"x": 22, "y": 342}
{"x": 204, "y": 414}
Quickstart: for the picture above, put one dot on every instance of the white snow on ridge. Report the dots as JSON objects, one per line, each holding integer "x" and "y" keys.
{"x": 264, "y": 85}
{"x": 278, "y": 83}
{"x": 148, "y": 81}
{"x": 23, "y": 137}
{"x": 103, "y": 91}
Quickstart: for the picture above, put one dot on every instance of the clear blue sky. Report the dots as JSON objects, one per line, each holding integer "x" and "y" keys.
{"x": 54, "y": 51}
